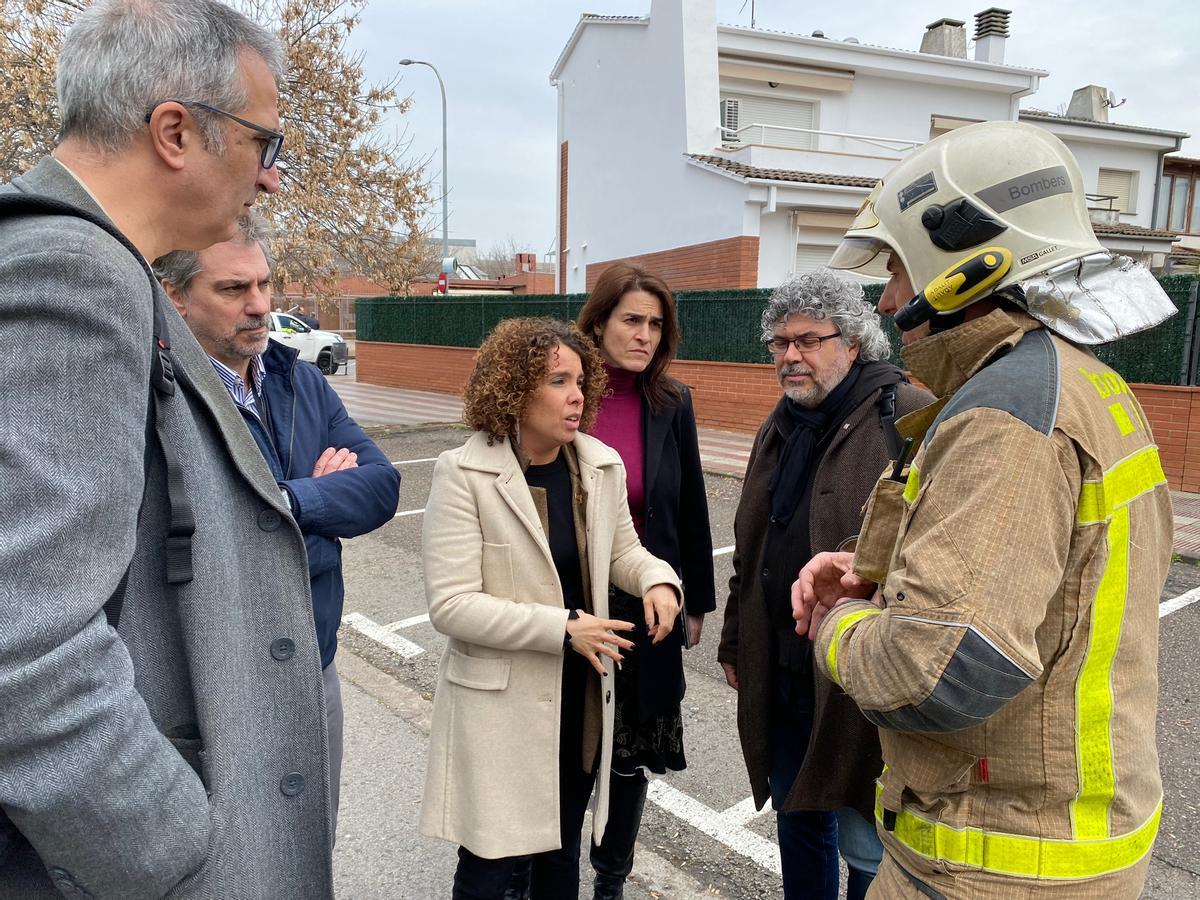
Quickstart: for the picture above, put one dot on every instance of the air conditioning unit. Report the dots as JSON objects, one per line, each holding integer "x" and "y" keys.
{"x": 729, "y": 122}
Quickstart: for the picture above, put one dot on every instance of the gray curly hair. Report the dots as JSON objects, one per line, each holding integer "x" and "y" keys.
{"x": 824, "y": 294}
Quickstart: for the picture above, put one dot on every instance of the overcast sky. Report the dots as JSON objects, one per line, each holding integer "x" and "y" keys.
{"x": 495, "y": 58}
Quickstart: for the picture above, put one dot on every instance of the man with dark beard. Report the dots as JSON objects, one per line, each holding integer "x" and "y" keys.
{"x": 813, "y": 464}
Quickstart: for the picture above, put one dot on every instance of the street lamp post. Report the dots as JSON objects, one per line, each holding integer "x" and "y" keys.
{"x": 445, "y": 215}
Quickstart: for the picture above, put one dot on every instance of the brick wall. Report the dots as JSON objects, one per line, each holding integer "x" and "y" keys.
{"x": 417, "y": 367}
{"x": 1174, "y": 414}
{"x": 738, "y": 396}
{"x": 731, "y": 396}
{"x": 728, "y": 263}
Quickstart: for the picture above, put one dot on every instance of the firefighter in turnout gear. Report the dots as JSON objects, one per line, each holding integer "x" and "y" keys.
{"x": 998, "y": 619}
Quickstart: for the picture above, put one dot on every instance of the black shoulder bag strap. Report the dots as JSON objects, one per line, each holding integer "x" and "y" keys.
{"x": 887, "y": 418}
{"x": 162, "y": 379}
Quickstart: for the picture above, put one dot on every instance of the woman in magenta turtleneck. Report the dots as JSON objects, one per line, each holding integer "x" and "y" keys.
{"x": 646, "y": 416}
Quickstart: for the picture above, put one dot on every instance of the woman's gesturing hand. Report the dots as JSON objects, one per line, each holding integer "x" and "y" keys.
{"x": 662, "y": 606}
{"x": 592, "y": 637}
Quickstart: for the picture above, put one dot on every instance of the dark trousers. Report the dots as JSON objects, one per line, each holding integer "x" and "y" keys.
{"x": 555, "y": 873}
{"x": 808, "y": 851}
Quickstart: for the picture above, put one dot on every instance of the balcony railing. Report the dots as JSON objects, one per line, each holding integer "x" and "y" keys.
{"x": 808, "y": 138}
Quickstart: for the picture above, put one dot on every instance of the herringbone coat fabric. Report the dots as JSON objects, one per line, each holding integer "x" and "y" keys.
{"x": 842, "y": 760}
{"x": 492, "y": 780}
{"x": 184, "y": 756}
{"x": 1013, "y": 668}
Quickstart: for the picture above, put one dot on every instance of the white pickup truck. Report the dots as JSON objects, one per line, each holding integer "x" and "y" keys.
{"x": 324, "y": 348}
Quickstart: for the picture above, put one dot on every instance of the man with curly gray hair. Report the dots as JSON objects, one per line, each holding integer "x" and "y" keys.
{"x": 823, "y": 295}
{"x": 813, "y": 463}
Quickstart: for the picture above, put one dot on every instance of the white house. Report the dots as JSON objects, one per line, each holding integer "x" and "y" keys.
{"x": 724, "y": 156}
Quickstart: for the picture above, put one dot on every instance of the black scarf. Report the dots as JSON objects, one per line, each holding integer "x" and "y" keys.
{"x": 791, "y": 474}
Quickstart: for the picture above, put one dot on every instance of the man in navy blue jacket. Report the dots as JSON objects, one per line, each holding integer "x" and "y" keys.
{"x": 335, "y": 480}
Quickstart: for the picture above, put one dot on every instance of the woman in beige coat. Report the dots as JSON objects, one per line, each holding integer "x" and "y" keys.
{"x": 526, "y": 525}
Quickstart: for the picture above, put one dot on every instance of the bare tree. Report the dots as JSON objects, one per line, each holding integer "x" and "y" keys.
{"x": 500, "y": 259}
{"x": 351, "y": 200}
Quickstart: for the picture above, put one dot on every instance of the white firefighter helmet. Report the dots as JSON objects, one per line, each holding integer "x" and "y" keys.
{"x": 970, "y": 213}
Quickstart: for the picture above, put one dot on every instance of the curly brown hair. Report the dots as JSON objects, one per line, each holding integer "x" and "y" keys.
{"x": 512, "y": 364}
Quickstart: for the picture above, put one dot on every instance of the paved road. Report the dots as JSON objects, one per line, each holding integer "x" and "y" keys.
{"x": 700, "y": 837}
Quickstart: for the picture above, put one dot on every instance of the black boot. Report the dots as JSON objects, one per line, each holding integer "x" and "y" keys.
{"x": 518, "y": 887}
{"x": 613, "y": 858}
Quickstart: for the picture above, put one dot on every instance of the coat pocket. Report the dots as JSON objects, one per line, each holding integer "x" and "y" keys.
{"x": 478, "y": 672}
{"x": 497, "y": 570}
{"x": 187, "y": 742}
{"x": 880, "y": 530}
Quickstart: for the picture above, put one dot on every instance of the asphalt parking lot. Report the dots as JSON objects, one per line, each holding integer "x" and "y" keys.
{"x": 701, "y": 836}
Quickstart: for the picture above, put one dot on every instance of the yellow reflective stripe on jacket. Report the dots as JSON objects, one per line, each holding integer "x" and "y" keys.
{"x": 1105, "y": 501}
{"x": 1133, "y": 476}
{"x": 1014, "y": 854}
{"x": 1093, "y": 690}
{"x": 913, "y": 485}
{"x": 844, "y": 623}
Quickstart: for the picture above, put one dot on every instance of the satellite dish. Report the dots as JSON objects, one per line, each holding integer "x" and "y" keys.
{"x": 1112, "y": 102}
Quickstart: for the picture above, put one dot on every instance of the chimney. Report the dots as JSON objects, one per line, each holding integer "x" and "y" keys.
{"x": 1089, "y": 103}
{"x": 945, "y": 37}
{"x": 526, "y": 262}
{"x": 991, "y": 32}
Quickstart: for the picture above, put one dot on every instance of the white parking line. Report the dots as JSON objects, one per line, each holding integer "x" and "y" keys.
{"x": 741, "y": 813}
{"x": 409, "y": 512}
{"x": 413, "y": 462}
{"x": 728, "y": 827}
{"x": 1177, "y": 603}
{"x": 376, "y": 632}
{"x": 721, "y": 551}
{"x": 408, "y": 623}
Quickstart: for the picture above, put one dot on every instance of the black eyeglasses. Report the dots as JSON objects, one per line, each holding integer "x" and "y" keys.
{"x": 779, "y": 345}
{"x": 272, "y": 140}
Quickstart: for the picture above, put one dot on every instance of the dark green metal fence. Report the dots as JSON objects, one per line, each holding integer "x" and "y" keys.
{"x": 1161, "y": 355}
{"x": 723, "y": 326}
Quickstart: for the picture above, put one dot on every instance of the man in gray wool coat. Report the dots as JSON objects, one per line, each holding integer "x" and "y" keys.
{"x": 182, "y": 754}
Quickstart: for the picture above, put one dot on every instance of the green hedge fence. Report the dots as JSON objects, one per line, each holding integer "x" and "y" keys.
{"x": 723, "y": 326}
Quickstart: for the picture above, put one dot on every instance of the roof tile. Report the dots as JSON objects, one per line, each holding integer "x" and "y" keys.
{"x": 1133, "y": 231}
{"x": 790, "y": 175}
{"x": 744, "y": 171}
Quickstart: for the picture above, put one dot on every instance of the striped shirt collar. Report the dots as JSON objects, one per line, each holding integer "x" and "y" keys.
{"x": 238, "y": 389}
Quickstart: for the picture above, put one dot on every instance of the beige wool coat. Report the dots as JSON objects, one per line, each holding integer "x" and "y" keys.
{"x": 492, "y": 778}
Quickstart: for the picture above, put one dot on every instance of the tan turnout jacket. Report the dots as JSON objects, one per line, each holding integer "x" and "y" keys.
{"x": 1013, "y": 668}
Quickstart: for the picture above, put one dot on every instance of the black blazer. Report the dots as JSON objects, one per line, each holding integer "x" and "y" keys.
{"x": 675, "y": 529}
{"x": 676, "y": 518}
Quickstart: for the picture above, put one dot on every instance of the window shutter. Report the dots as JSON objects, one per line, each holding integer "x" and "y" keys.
{"x": 1118, "y": 183}
{"x": 811, "y": 256}
{"x": 729, "y": 121}
{"x": 751, "y": 109}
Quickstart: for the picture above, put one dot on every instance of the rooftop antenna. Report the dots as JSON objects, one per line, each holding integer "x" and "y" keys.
{"x": 743, "y": 9}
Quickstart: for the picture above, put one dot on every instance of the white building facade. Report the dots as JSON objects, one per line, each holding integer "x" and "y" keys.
{"x": 724, "y": 157}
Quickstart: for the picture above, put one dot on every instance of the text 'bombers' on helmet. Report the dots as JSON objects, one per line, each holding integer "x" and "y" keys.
{"x": 1005, "y": 185}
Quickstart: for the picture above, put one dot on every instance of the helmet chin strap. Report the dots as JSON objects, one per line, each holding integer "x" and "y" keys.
{"x": 917, "y": 311}
{"x": 946, "y": 321}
